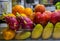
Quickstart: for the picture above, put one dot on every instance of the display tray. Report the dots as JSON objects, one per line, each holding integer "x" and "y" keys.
{"x": 4, "y": 25}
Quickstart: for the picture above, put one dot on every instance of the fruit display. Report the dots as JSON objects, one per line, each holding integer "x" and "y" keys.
{"x": 56, "y": 33}
{"x": 25, "y": 23}
{"x": 47, "y": 30}
{"x": 37, "y": 31}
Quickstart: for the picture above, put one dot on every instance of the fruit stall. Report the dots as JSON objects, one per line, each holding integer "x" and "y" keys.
{"x": 33, "y": 20}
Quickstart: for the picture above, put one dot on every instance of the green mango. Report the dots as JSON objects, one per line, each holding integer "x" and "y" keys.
{"x": 47, "y": 31}
{"x": 37, "y": 31}
{"x": 56, "y": 33}
{"x": 23, "y": 35}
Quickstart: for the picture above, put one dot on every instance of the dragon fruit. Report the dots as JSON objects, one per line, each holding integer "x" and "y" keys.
{"x": 12, "y": 23}
{"x": 25, "y": 22}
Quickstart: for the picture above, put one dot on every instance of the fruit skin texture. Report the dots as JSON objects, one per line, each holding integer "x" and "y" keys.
{"x": 18, "y": 8}
{"x": 8, "y": 34}
{"x": 37, "y": 31}
{"x": 37, "y": 17}
{"x": 55, "y": 17}
{"x": 12, "y": 23}
{"x": 23, "y": 35}
{"x": 39, "y": 8}
{"x": 56, "y": 33}
{"x": 48, "y": 14}
{"x": 47, "y": 31}
{"x": 41, "y": 18}
{"x": 25, "y": 22}
{"x": 29, "y": 13}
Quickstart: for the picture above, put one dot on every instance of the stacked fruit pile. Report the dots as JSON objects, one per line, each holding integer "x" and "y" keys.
{"x": 40, "y": 23}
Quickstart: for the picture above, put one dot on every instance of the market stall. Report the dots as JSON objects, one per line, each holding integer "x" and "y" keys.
{"x": 29, "y": 20}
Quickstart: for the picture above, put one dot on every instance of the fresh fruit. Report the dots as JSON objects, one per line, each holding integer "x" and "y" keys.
{"x": 25, "y": 22}
{"x": 24, "y": 15}
{"x": 57, "y": 5}
{"x": 37, "y": 17}
{"x": 23, "y": 35}
{"x": 9, "y": 14}
{"x": 28, "y": 11}
{"x": 12, "y": 22}
{"x": 8, "y": 34}
{"x": 18, "y": 8}
{"x": 55, "y": 17}
{"x": 48, "y": 14}
{"x": 39, "y": 8}
{"x": 56, "y": 33}
{"x": 41, "y": 18}
{"x": 37, "y": 31}
{"x": 47, "y": 31}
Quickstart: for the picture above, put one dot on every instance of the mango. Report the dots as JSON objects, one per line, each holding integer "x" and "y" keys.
{"x": 37, "y": 31}
{"x": 56, "y": 33}
{"x": 23, "y": 35}
{"x": 47, "y": 31}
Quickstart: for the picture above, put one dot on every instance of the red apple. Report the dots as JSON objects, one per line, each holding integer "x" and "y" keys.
{"x": 39, "y": 8}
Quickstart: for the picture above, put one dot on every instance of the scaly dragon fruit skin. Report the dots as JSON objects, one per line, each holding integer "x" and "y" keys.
{"x": 25, "y": 22}
{"x": 12, "y": 23}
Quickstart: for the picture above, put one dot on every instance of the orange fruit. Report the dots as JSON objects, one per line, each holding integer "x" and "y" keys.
{"x": 8, "y": 34}
{"x": 18, "y": 8}
{"x": 28, "y": 11}
{"x": 39, "y": 8}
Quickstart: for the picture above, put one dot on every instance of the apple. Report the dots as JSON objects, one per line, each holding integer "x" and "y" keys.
{"x": 39, "y": 8}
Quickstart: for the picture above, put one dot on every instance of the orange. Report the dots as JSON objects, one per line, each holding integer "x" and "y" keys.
{"x": 39, "y": 8}
{"x": 18, "y": 8}
{"x": 8, "y": 34}
{"x": 28, "y": 11}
